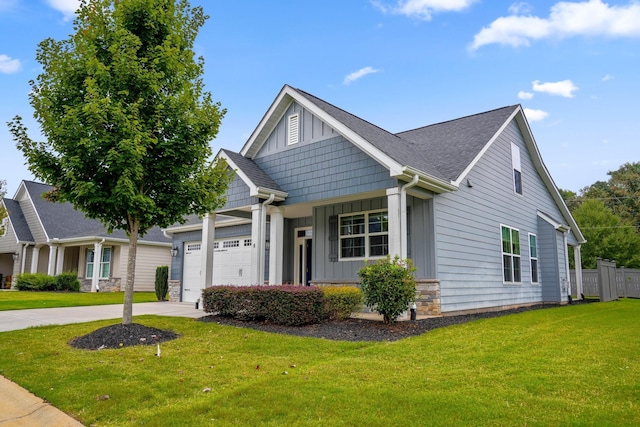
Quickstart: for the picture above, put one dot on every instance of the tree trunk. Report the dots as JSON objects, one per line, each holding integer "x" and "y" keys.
{"x": 127, "y": 310}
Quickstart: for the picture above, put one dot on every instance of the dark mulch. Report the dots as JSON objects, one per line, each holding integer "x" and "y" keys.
{"x": 364, "y": 329}
{"x": 118, "y": 336}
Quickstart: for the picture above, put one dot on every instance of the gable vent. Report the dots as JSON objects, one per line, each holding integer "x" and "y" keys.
{"x": 294, "y": 126}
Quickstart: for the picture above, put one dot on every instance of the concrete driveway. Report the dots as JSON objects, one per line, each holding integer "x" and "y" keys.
{"x": 21, "y": 319}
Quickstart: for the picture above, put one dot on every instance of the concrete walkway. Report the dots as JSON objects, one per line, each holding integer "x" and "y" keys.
{"x": 18, "y": 407}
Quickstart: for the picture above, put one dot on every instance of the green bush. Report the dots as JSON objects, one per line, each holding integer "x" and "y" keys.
{"x": 388, "y": 286}
{"x": 43, "y": 282}
{"x": 162, "y": 282}
{"x": 281, "y": 305}
{"x": 341, "y": 301}
{"x": 67, "y": 282}
{"x": 35, "y": 282}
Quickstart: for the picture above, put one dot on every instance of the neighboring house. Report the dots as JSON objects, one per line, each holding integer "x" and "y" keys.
{"x": 317, "y": 191}
{"x": 46, "y": 237}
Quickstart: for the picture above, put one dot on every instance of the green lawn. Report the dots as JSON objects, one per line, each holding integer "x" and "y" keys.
{"x": 574, "y": 365}
{"x": 17, "y": 300}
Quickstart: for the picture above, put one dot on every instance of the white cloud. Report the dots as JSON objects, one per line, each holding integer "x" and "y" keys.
{"x": 67, "y": 7}
{"x": 535, "y": 115}
{"x": 423, "y": 9}
{"x": 525, "y": 95}
{"x": 520, "y": 8}
{"x": 566, "y": 19}
{"x": 563, "y": 88}
{"x": 8, "y": 65}
{"x": 608, "y": 77}
{"x": 359, "y": 74}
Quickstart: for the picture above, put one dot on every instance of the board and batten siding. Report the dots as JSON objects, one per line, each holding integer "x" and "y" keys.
{"x": 311, "y": 129}
{"x": 468, "y": 240}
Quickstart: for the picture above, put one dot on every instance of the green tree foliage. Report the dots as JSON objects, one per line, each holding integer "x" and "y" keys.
{"x": 126, "y": 119}
{"x": 162, "y": 282}
{"x": 608, "y": 236}
{"x": 388, "y": 286}
{"x": 621, "y": 193}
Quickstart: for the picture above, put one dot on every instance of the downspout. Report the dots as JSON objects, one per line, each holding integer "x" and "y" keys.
{"x": 263, "y": 236}
{"x": 403, "y": 216}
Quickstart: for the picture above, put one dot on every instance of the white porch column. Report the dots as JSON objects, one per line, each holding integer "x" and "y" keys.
{"x": 97, "y": 257}
{"x": 51, "y": 266}
{"x": 23, "y": 258}
{"x": 577, "y": 259}
{"x": 276, "y": 242}
{"x": 208, "y": 237}
{"x": 395, "y": 228}
{"x": 60, "y": 262}
{"x": 256, "y": 244}
{"x": 34, "y": 259}
{"x": 566, "y": 263}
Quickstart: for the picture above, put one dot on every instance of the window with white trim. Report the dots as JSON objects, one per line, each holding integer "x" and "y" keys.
{"x": 517, "y": 168}
{"x": 293, "y": 129}
{"x": 364, "y": 235}
{"x": 511, "y": 267}
{"x": 104, "y": 265}
{"x": 533, "y": 257}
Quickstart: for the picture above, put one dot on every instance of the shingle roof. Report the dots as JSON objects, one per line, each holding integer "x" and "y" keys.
{"x": 453, "y": 145}
{"x": 253, "y": 171}
{"x": 399, "y": 149}
{"x": 18, "y": 222}
{"x": 63, "y": 221}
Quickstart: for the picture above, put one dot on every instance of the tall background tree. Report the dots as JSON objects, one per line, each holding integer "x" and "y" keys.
{"x": 608, "y": 213}
{"x": 126, "y": 120}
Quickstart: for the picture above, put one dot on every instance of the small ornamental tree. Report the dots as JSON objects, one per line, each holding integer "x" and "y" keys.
{"x": 388, "y": 286}
{"x": 162, "y": 282}
{"x": 126, "y": 120}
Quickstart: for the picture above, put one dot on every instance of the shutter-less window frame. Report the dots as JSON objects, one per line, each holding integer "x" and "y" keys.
{"x": 293, "y": 129}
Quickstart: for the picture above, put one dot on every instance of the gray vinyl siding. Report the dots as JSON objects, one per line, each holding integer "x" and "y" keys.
{"x": 311, "y": 130}
{"x": 421, "y": 237}
{"x": 549, "y": 261}
{"x": 324, "y": 170}
{"x": 8, "y": 241}
{"x": 467, "y": 223}
{"x": 238, "y": 194}
{"x": 32, "y": 219}
{"x": 322, "y": 268}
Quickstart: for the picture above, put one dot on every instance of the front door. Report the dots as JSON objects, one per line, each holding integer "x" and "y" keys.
{"x": 303, "y": 256}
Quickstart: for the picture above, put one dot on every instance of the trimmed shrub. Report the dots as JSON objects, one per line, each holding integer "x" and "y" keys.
{"x": 162, "y": 282}
{"x": 341, "y": 301}
{"x": 388, "y": 286}
{"x": 35, "y": 282}
{"x": 67, "y": 282}
{"x": 281, "y": 305}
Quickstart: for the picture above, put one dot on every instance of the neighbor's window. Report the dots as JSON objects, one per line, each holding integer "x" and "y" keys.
{"x": 517, "y": 168}
{"x": 104, "y": 264}
{"x": 533, "y": 256}
{"x": 364, "y": 235}
{"x": 512, "y": 272}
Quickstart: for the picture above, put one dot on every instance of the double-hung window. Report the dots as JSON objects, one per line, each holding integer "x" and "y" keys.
{"x": 364, "y": 235}
{"x": 103, "y": 264}
{"x": 533, "y": 257}
{"x": 511, "y": 269}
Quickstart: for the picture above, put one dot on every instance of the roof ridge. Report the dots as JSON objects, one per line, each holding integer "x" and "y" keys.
{"x": 457, "y": 119}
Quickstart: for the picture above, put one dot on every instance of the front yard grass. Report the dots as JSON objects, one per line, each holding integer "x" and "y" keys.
{"x": 21, "y": 300}
{"x": 573, "y": 365}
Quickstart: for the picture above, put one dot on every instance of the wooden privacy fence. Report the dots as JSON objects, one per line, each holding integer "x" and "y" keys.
{"x": 627, "y": 283}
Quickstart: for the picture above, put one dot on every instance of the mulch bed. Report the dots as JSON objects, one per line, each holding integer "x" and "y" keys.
{"x": 118, "y": 336}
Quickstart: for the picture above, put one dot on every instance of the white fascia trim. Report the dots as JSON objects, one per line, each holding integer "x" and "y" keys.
{"x": 254, "y": 191}
{"x": 486, "y": 147}
{"x": 555, "y": 224}
{"x": 546, "y": 176}
{"x": 198, "y": 226}
{"x": 287, "y": 91}
{"x": 426, "y": 181}
{"x": 44, "y": 231}
{"x": 108, "y": 240}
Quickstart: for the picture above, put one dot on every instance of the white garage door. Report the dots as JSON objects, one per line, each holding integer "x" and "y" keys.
{"x": 231, "y": 265}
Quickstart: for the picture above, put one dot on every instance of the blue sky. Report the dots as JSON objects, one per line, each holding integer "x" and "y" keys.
{"x": 399, "y": 64}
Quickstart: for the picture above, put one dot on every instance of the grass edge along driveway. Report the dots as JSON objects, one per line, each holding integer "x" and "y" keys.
{"x": 570, "y": 365}
{"x": 22, "y": 300}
